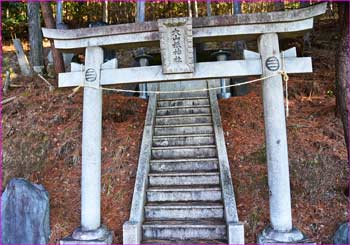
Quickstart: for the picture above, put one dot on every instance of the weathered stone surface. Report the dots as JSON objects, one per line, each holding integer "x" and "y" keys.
{"x": 184, "y": 81}
{"x": 25, "y": 213}
{"x": 341, "y": 236}
{"x": 176, "y": 45}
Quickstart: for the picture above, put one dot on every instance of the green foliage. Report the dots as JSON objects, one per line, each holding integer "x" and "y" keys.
{"x": 14, "y": 19}
{"x": 330, "y": 93}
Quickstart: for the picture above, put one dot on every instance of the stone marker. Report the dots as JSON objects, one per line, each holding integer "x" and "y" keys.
{"x": 22, "y": 58}
{"x": 341, "y": 236}
{"x": 25, "y": 213}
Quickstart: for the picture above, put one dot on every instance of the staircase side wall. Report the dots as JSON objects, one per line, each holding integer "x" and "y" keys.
{"x": 132, "y": 229}
{"x": 235, "y": 229}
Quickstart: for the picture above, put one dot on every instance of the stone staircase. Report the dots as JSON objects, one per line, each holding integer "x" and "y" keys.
{"x": 183, "y": 200}
{"x": 183, "y": 190}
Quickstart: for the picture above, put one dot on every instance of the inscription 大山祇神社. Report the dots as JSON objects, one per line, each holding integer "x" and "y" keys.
{"x": 176, "y": 36}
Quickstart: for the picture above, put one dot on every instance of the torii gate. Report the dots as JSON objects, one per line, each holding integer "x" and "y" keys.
{"x": 267, "y": 28}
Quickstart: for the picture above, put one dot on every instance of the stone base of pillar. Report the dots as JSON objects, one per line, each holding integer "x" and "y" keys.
{"x": 99, "y": 236}
{"x": 271, "y": 236}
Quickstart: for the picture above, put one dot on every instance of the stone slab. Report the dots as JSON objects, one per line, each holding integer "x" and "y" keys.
{"x": 341, "y": 236}
{"x": 25, "y": 213}
{"x": 176, "y": 45}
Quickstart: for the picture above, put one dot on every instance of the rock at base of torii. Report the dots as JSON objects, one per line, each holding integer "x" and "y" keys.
{"x": 25, "y": 213}
{"x": 341, "y": 236}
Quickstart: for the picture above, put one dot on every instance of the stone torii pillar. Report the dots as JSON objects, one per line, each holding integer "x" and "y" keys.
{"x": 91, "y": 231}
{"x": 281, "y": 229}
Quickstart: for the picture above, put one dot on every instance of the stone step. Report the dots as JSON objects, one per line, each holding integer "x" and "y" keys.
{"x": 176, "y": 152}
{"x": 182, "y": 140}
{"x": 173, "y": 179}
{"x": 183, "y": 110}
{"x": 184, "y": 115}
{"x": 184, "y": 194}
{"x": 193, "y": 119}
{"x": 184, "y": 230}
{"x": 184, "y": 98}
{"x": 184, "y": 210}
{"x": 201, "y": 241}
{"x": 183, "y": 102}
{"x": 202, "y": 128}
{"x": 184, "y": 165}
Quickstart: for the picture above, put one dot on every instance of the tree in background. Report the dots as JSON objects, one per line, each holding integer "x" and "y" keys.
{"x": 307, "y": 36}
{"x": 50, "y": 23}
{"x": 105, "y": 11}
{"x": 343, "y": 71}
{"x": 279, "y": 5}
{"x": 35, "y": 36}
{"x": 59, "y": 12}
{"x": 238, "y": 47}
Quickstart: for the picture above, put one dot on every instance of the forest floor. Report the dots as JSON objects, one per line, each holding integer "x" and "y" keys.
{"x": 41, "y": 133}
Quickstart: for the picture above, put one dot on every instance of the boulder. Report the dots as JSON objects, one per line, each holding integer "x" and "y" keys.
{"x": 341, "y": 236}
{"x": 25, "y": 213}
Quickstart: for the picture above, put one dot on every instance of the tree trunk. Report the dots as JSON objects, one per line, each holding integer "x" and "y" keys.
{"x": 208, "y": 7}
{"x": 35, "y": 37}
{"x": 238, "y": 47}
{"x": 236, "y": 7}
{"x": 307, "y": 36}
{"x": 195, "y": 9}
{"x": 343, "y": 71}
{"x": 189, "y": 7}
{"x": 140, "y": 11}
{"x": 50, "y": 23}
{"x": 59, "y": 12}
{"x": 304, "y": 4}
{"x": 105, "y": 11}
{"x": 279, "y": 5}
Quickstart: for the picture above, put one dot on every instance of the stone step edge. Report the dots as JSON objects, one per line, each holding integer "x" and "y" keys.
{"x": 184, "y": 115}
{"x": 184, "y": 125}
{"x": 158, "y": 137}
{"x": 182, "y": 174}
{"x": 182, "y": 189}
{"x": 182, "y": 107}
{"x": 183, "y": 147}
{"x": 184, "y": 224}
{"x": 183, "y": 98}
{"x": 203, "y": 205}
{"x": 190, "y": 241}
{"x": 184, "y": 160}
